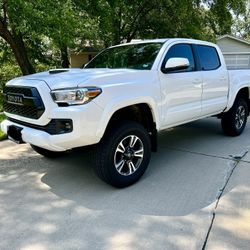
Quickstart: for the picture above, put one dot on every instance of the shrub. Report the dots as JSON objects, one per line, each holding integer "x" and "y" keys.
{"x": 7, "y": 72}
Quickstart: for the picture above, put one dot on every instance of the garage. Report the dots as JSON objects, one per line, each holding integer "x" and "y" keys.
{"x": 236, "y": 52}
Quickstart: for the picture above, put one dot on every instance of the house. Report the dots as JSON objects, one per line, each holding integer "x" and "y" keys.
{"x": 79, "y": 59}
{"x": 236, "y": 51}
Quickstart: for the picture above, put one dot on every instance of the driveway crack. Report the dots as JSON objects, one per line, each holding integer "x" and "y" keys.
{"x": 237, "y": 160}
{"x": 230, "y": 157}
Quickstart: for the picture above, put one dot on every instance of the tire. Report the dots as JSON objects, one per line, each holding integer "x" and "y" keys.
{"x": 123, "y": 154}
{"x": 47, "y": 153}
{"x": 234, "y": 121}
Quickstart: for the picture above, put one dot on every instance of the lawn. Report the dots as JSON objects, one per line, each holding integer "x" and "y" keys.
{"x": 2, "y": 135}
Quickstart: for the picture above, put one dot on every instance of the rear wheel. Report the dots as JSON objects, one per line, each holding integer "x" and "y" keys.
{"x": 234, "y": 121}
{"x": 47, "y": 153}
{"x": 123, "y": 154}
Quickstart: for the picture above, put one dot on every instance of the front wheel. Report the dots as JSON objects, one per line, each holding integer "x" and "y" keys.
{"x": 123, "y": 154}
{"x": 234, "y": 121}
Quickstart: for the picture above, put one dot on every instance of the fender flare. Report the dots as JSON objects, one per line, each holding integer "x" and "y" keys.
{"x": 232, "y": 97}
{"x": 118, "y": 104}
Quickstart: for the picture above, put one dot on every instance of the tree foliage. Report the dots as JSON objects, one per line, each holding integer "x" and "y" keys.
{"x": 41, "y": 32}
{"x": 123, "y": 20}
{"x": 8, "y": 66}
{"x": 221, "y": 14}
{"x": 30, "y": 26}
{"x": 172, "y": 19}
{"x": 241, "y": 26}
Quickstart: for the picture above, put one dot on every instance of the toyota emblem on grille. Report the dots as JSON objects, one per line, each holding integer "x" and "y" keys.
{"x": 15, "y": 99}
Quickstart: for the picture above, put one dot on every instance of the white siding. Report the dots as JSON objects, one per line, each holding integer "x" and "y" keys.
{"x": 236, "y": 53}
{"x": 229, "y": 45}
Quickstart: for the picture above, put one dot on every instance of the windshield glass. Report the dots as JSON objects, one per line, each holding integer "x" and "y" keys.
{"x": 135, "y": 56}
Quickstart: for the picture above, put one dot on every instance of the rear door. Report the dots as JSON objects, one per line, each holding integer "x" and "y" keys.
{"x": 181, "y": 89}
{"x": 215, "y": 80}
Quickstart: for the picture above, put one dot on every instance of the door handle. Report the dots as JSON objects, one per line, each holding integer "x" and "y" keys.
{"x": 196, "y": 81}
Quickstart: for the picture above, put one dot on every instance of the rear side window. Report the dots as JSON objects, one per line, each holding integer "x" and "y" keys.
{"x": 209, "y": 58}
{"x": 181, "y": 50}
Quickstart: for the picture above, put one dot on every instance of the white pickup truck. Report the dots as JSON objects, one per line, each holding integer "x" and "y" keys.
{"x": 122, "y": 98}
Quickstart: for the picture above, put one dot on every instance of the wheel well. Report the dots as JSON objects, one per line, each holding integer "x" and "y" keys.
{"x": 140, "y": 113}
{"x": 244, "y": 93}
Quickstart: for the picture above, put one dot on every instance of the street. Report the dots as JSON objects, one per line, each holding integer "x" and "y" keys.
{"x": 194, "y": 195}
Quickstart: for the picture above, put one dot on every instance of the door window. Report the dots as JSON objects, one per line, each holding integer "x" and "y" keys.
{"x": 209, "y": 58}
{"x": 180, "y": 50}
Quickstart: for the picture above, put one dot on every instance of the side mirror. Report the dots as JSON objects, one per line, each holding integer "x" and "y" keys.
{"x": 176, "y": 63}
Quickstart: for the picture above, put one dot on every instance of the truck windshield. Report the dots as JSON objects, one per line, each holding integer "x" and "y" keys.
{"x": 135, "y": 56}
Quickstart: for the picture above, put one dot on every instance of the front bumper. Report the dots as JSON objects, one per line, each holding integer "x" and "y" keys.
{"x": 35, "y": 137}
{"x": 85, "y": 119}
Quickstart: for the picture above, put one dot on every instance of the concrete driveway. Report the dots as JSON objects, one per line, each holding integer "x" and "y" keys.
{"x": 195, "y": 195}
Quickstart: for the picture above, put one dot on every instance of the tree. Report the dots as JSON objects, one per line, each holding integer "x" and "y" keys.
{"x": 39, "y": 31}
{"x": 117, "y": 20}
{"x": 172, "y": 19}
{"x": 221, "y": 14}
{"x": 13, "y": 36}
{"x": 43, "y": 21}
{"x": 123, "y": 20}
{"x": 241, "y": 26}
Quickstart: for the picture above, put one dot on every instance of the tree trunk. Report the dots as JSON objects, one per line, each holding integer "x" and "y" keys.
{"x": 16, "y": 43}
{"x": 64, "y": 57}
{"x": 21, "y": 55}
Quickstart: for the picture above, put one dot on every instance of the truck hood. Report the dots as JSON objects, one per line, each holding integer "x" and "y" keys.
{"x": 70, "y": 78}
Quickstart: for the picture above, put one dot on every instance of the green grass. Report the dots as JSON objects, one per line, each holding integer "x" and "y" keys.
{"x": 2, "y": 135}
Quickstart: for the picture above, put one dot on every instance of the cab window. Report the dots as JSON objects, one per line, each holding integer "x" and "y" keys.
{"x": 209, "y": 58}
{"x": 180, "y": 50}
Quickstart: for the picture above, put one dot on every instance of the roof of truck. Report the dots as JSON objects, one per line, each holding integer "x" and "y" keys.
{"x": 164, "y": 40}
{"x": 159, "y": 40}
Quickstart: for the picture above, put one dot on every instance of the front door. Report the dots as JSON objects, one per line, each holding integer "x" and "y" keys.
{"x": 181, "y": 90}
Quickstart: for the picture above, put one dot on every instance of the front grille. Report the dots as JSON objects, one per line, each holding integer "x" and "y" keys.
{"x": 32, "y": 105}
{"x": 26, "y": 111}
{"x": 19, "y": 90}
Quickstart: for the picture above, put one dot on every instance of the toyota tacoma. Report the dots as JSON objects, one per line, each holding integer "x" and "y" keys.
{"x": 122, "y": 99}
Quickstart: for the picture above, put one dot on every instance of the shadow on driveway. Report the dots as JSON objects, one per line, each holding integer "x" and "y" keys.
{"x": 177, "y": 183}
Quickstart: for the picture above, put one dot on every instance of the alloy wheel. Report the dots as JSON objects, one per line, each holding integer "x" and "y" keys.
{"x": 129, "y": 155}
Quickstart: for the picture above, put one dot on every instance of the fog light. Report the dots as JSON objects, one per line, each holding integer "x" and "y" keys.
{"x": 59, "y": 126}
{"x": 64, "y": 126}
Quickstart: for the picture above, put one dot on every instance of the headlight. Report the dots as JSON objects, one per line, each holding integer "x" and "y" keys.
{"x": 75, "y": 96}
